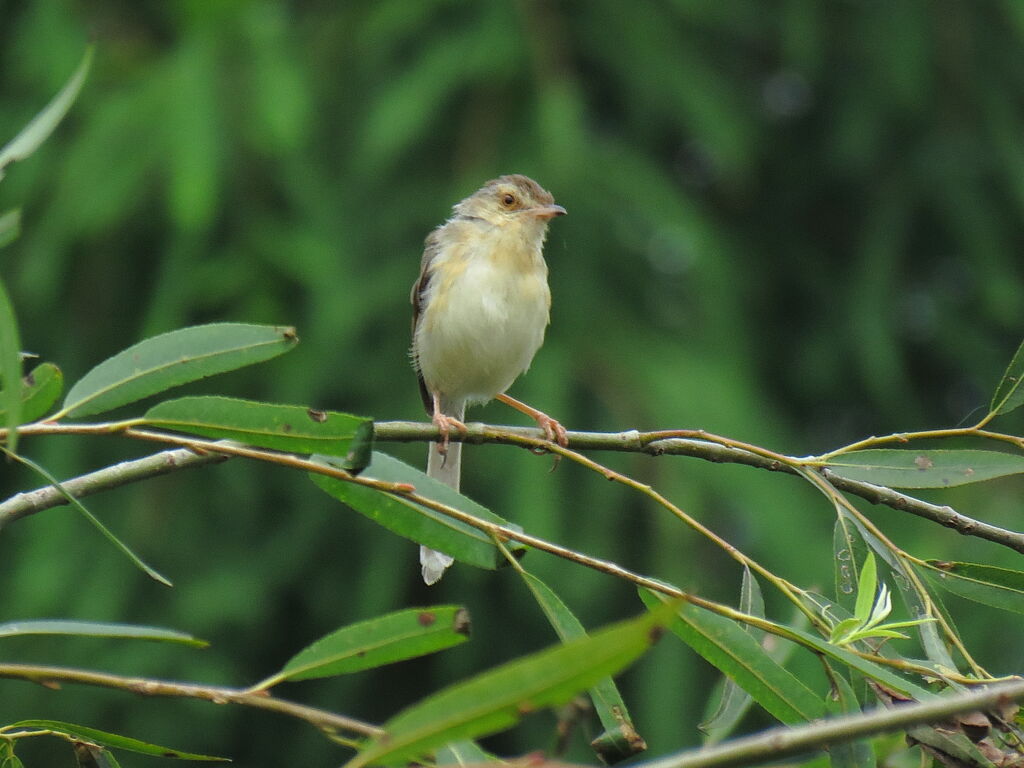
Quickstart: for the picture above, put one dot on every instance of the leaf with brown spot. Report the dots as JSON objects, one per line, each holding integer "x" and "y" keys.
{"x": 998, "y": 587}
{"x": 396, "y": 636}
{"x": 268, "y": 425}
{"x": 897, "y": 468}
{"x": 494, "y": 700}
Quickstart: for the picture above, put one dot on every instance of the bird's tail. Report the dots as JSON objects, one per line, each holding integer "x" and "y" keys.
{"x": 445, "y": 467}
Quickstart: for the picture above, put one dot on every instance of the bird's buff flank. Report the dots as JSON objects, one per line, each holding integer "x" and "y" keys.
{"x": 480, "y": 307}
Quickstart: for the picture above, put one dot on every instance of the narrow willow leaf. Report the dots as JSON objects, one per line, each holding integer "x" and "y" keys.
{"x": 42, "y": 125}
{"x": 997, "y": 587}
{"x": 620, "y": 739}
{"x": 847, "y": 754}
{"x": 116, "y": 741}
{"x": 172, "y": 359}
{"x": 723, "y": 644}
{"x": 498, "y": 698}
{"x": 373, "y": 643}
{"x": 98, "y": 629}
{"x": 39, "y": 391}
{"x": 1010, "y": 394}
{"x": 898, "y": 468}
{"x": 107, "y": 533}
{"x": 424, "y": 526}
{"x": 751, "y": 601}
{"x": 866, "y": 586}
{"x": 864, "y": 666}
{"x": 289, "y": 428}
{"x": 10, "y": 369}
{"x": 733, "y": 701}
{"x": 844, "y": 628}
{"x": 915, "y": 602}
{"x": 89, "y": 756}
{"x": 10, "y": 226}
{"x": 7, "y": 757}
{"x": 958, "y": 748}
{"x": 463, "y": 752}
{"x": 849, "y": 551}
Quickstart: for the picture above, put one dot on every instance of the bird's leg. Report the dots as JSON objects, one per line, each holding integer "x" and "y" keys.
{"x": 553, "y": 431}
{"x": 445, "y": 424}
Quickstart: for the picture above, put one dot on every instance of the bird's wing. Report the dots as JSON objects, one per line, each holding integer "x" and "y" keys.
{"x": 430, "y": 250}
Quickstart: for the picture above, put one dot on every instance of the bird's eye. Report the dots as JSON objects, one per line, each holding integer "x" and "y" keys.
{"x": 507, "y": 200}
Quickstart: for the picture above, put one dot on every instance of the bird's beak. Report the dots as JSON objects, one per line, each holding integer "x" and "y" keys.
{"x": 547, "y": 211}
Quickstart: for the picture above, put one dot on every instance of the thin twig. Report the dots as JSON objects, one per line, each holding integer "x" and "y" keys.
{"x": 28, "y": 503}
{"x": 53, "y": 677}
{"x": 720, "y": 451}
{"x": 776, "y": 743}
{"x": 292, "y": 461}
{"x": 408, "y": 431}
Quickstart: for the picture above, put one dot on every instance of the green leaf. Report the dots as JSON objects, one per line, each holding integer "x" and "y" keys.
{"x": 89, "y": 756}
{"x": 1010, "y": 394}
{"x": 620, "y": 739}
{"x": 98, "y": 629}
{"x": 733, "y": 701}
{"x": 406, "y": 518}
{"x": 862, "y": 665}
{"x": 11, "y": 760}
{"x": 896, "y": 468}
{"x": 866, "y": 587}
{"x": 498, "y": 698}
{"x": 847, "y": 754}
{"x": 373, "y": 643}
{"x": 997, "y": 587}
{"x": 42, "y": 125}
{"x": 960, "y": 750}
{"x": 39, "y": 391}
{"x": 916, "y": 602}
{"x": 849, "y": 550}
{"x": 289, "y": 428}
{"x": 10, "y": 226}
{"x": 844, "y": 628}
{"x": 96, "y": 736}
{"x": 10, "y": 369}
{"x": 731, "y": 650}
{"x": 174, "y": 358}
{"x": 463, "y": 752}
{"x": 107, "y": 533}
{"x": 7, "y": 757}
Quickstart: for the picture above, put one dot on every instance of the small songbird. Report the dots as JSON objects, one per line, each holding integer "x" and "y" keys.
{"x": 480, "y": 307}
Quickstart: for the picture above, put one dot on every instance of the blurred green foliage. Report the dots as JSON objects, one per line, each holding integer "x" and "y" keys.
{"x": 795, "y": 223}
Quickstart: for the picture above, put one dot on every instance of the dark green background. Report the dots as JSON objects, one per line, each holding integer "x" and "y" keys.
{"x": 795, "y": 223}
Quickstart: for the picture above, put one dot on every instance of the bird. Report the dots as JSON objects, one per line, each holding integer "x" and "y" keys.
{"x": 480, "y": 307}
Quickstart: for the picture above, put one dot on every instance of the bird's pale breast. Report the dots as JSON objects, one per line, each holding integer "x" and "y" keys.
{"x": 483, "y": 319}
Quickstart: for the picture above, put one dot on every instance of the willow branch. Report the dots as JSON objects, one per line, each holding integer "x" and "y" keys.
{"x": 224, "y": 447}
{"x": 695, "y": 443}
{"x": 53, "y": 677}
{"x": 777, "y": 743}
{"x": 28, "y": 503}
{"x": 701, "y": 445}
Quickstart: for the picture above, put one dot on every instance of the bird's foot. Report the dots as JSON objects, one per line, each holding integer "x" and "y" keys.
{"x": 445, "y": 424}
{"x": 553, "y": 430}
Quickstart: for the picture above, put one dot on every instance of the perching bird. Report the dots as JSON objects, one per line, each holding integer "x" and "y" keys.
{"x": 480, "y": 307}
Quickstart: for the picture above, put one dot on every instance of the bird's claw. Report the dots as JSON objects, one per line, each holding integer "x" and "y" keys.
{"x": 555, "y": 433}
{"x": 553, "y": 430}
{"x": 445, "y": 424}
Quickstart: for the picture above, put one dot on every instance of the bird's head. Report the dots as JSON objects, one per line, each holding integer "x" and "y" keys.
{"x": 511, "y": 200}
